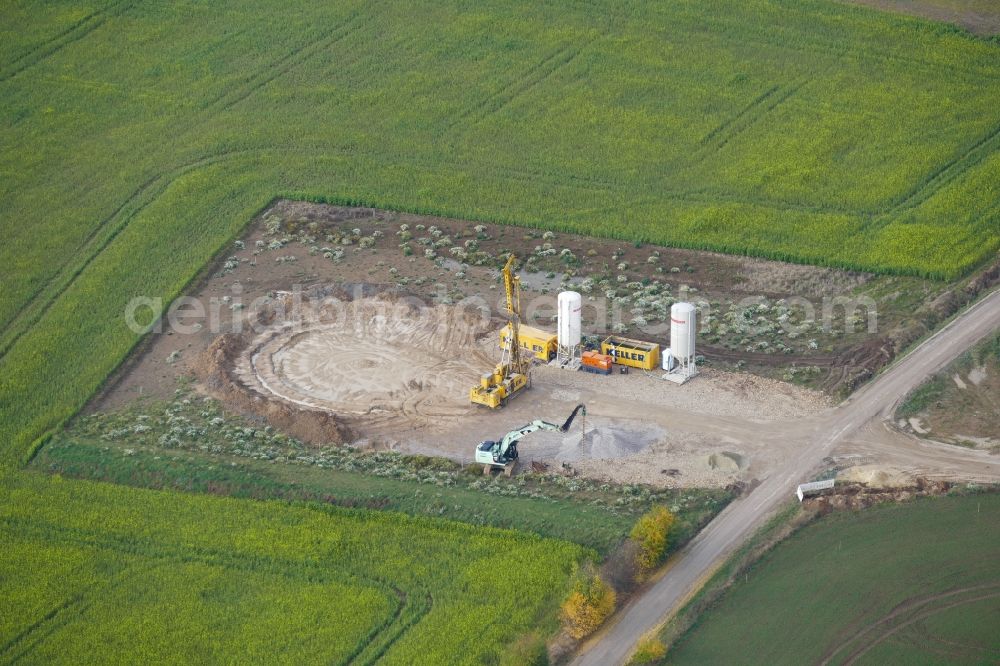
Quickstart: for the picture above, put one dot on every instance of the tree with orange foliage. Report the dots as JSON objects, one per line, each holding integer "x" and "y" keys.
{"x": 588, "y": 605}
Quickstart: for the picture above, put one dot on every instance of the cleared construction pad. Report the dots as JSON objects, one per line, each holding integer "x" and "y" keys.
{"x": 374, "y": 357}
{"x": 396, "y": 374}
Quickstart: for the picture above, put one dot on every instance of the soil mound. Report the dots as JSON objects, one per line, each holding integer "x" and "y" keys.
{"x": 874, "y": 476}
{"x": 309, "y": 425}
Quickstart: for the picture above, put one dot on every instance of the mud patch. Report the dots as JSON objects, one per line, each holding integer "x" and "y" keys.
{"x": 309, "y": 425}
{"x": 917, "y": 425}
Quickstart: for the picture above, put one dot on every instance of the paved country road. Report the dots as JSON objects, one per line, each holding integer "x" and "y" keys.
{"x": 860, "y": 417}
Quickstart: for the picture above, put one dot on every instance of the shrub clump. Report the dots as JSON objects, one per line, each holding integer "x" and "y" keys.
{"x": 650, "y": 533}
{"x": 529, "y": 650}
{"x": 588, "y": 605}
{"x": 650, "y": 650}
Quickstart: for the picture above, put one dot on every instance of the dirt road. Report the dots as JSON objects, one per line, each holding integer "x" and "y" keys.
{"x": 856, "y": 424}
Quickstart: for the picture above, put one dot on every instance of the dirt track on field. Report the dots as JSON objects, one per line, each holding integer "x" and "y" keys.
{"x": 907, "y": 613}
{"x": 857, "y": 426}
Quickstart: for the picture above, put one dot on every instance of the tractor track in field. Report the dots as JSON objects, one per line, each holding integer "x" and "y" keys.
{"x": 53, "y": 45}
{"x": 158, "y": 554}
{"x": 387, "y": 636}
{"x": 98, "y": 240}
{"x": 42, "y": 624}
{"x": 542, "y": 72}
{"x": 523, "y": 80}
{"x": 908, "y": 613}
{"x": 289, "y": 61}
{"x": 949, "y": 172}
{"x": 61, "y": 614}
{"x": 26, "y": 316}
{"x": 749, "y": 108}
{"x": 746, "y": 118}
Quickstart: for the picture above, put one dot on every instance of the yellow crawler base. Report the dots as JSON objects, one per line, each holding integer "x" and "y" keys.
{"x": 496, "y": 395}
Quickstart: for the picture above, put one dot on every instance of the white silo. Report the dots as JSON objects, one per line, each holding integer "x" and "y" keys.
{"x": 682, "y": 335}
{"x": 682, "y": 322}
{"x": 568, "y": 332}
{"x": 570, "y": 309}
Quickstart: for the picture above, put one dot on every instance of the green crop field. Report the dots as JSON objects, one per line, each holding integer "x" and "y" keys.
{"x": 93, "y": 572}
{"x": 139, "y": 138}
{"x": 916, "y": 583}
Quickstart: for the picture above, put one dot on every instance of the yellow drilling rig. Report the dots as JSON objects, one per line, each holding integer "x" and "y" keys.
{"x": 510, "y": 376}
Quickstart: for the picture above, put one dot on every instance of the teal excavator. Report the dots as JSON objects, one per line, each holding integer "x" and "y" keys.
{"x": 503, "y": 454}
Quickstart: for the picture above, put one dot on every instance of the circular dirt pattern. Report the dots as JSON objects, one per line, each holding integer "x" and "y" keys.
{"x": 375, "y": 356}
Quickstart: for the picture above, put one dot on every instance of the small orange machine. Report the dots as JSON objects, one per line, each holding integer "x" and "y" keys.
{"x": 596, "y": 362}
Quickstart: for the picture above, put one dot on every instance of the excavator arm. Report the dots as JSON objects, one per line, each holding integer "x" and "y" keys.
{"x": 569, "y": 421}
{"x": 505, "y": 450}
{"x": 508, "y": 445}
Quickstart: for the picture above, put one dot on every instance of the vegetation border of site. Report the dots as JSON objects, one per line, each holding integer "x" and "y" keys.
{"x": 608, "y": 232}
{"x": 190, "y": 443}
{"x": 965, "y": 299}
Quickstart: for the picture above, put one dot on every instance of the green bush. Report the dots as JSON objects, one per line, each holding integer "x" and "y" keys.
{"x": 650, "y": 533}
{"x": 650, "y": 650}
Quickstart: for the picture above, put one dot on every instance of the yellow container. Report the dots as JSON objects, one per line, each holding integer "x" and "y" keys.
{"x": 540, "y": 344}
{"x": 633, "y": 353}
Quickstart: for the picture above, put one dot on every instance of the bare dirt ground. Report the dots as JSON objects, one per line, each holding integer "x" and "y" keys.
{"x": 980, "y": 17}
{"x": 397, "y": 376}
{"x": 360, "y": 325}
{"x": 961, "y": 404}
{"x": 748, "y": 319}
